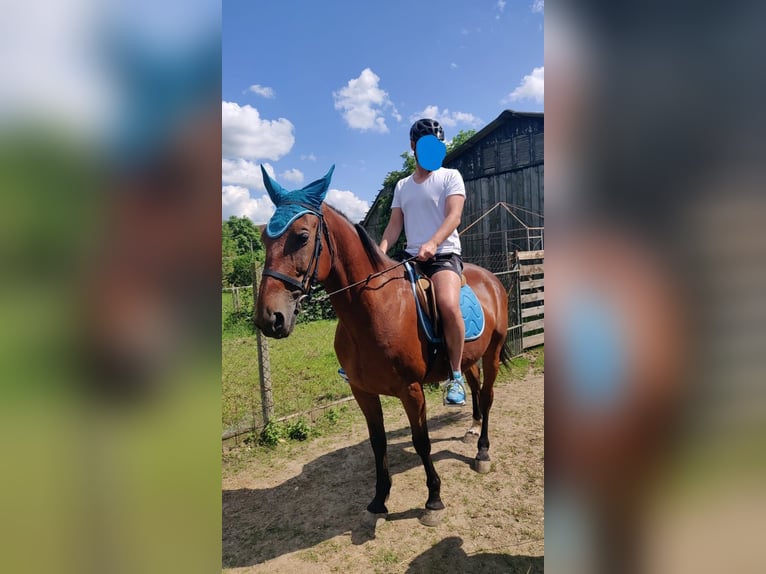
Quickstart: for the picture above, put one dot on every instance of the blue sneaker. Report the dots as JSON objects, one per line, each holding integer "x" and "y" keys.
{"x": 454, "y": 395}
{"x": 342, "y": 373}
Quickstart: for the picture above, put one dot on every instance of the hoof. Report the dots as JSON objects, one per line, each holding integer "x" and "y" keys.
{"x": 482, "y": 466}
{"x": 432, "y": 517}
{"x": 372, "y": 520}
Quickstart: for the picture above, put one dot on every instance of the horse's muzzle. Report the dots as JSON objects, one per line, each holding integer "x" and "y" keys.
{"x": 276, "y": 324}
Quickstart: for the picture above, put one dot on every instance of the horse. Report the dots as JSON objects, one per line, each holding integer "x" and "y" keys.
{"x": 378, "y": 341}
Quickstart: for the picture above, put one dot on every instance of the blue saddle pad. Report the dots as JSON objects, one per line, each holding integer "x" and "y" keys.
{"x": 473, "y": 314}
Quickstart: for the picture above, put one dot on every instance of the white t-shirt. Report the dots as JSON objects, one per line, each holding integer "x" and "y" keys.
{"x": 424, "y": 208}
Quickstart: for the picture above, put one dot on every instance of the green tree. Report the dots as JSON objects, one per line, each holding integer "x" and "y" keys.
{"x": 240, "y": 246}
{"x": 408, "y": 166}
{"x": 245, "y": 234}
{"x": 461, "y": 137}
{"x": 228, "y": 254}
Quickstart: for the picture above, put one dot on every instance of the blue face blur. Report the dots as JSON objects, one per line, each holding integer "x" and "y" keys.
{"x": 430, "y": 152}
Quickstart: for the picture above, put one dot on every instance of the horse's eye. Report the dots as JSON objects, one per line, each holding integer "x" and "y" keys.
{"x": 303, "y": 238}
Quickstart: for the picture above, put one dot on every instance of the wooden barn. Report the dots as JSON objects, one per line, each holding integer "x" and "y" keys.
{"x": 502, "y": 228}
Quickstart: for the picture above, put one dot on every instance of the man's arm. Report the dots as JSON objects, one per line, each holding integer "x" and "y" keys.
{"x": 454, "y": 209}
{"x": 393, "y": 229}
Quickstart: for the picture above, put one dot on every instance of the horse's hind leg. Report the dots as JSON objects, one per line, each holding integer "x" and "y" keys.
{"x": 415, "y": 406}
{"x": 472, "y": 377}
{"x": 491, "y": 364}
{"x": 373, "y": 413}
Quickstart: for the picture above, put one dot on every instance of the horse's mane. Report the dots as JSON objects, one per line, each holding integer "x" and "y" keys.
{"x": 374, "y": 254}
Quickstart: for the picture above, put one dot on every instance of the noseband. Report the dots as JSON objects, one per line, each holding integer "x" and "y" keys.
{"x": 306, "y": 285}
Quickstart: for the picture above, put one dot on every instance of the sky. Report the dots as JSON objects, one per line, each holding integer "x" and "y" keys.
{"x": 309, "y": 84}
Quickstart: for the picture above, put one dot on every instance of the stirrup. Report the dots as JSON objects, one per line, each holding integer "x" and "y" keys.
{"x": 453, "y": 393}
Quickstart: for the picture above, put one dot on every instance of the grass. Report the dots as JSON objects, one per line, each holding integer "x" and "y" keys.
{"x": 304, "y": 373}
{"x": 386, "y": 556}
{"x": 341, "y": 418}
{"x": 237, "y": 325}
{"x": 531, "y": 361}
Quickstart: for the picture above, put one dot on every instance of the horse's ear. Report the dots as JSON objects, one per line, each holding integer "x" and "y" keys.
{"x": 317, "y": 190}
{"x": 276, "y": 192}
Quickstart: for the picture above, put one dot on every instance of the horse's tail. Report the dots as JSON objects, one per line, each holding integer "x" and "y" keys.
{"x": 505, "y": 353}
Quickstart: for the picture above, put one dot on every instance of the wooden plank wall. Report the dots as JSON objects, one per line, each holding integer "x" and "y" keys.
{"x": 532, "y": 288}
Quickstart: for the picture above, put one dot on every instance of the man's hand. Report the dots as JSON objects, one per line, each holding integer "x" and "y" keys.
{"x": 427, "y": 250}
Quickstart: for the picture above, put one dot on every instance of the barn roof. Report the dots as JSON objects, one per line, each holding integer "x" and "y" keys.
{"x": 505, "y": 116}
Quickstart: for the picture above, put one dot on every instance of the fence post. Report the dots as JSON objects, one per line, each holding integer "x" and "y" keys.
{"x": 264, "y": 366}
{"x": 235, "y": 299}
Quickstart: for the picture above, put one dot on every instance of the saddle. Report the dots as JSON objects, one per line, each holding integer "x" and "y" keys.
{"x": 428, "y": 311}
{"x": 426, "y": 296}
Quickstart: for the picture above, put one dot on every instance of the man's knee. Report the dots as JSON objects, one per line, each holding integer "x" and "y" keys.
{"x": 449, "y": 307}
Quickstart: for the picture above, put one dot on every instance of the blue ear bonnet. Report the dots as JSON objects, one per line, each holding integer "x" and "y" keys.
{"x": 293, "y": 204}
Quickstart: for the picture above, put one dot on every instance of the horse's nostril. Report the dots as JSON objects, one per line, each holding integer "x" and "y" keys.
{"x": 279, "y": 321}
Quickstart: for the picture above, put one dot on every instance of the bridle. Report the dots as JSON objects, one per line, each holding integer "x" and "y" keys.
{"x": 307, "y": 284}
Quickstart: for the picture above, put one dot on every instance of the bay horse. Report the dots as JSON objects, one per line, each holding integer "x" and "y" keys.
{"x": 378, "y": 341}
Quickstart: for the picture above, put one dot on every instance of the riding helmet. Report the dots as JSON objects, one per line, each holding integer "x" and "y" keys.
{"x": 426, "y": 127}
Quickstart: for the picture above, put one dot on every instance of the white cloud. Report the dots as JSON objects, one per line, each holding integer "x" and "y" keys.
{"x": 501, "y": 5}
{"x": 264, "y": 91}
{"x": 348, "y": 204}
{"x": 532, "y": 87}
{"x": 236, "y": 200}
{"x": 362, "y": 103}
{"x": 309, "y": 157}
{"x": 447, "y": 118}
{"x": 246, "y": 135}
{"x": 538, "y": 6}
{"x": 453, "y": 65}
{"x": 243, "y": 172}
{"x": 292, "y": 175}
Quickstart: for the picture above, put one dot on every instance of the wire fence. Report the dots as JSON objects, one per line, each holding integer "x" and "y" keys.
{"x": 303, "y": 375}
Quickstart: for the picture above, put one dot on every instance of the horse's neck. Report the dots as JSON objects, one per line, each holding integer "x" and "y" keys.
{"x": 350, "y": 265}
{"x": 350, "y": 261}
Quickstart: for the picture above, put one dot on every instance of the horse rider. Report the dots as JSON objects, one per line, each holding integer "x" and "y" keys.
{"x": 428, "y": 205}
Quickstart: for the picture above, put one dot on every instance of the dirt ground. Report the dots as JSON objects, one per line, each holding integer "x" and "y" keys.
{"x": 305, "y": 514}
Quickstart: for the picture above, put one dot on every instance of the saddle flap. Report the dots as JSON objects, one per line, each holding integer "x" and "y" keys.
{"x": 427, "y": 296}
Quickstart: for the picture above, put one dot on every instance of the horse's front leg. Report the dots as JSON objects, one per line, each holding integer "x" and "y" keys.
{"x": 415, "y": 405}
{"x": 373, "y": 413}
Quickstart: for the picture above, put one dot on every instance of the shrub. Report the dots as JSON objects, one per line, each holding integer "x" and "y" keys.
{"x": 332, "y": 416}
{"x": 271, "y": 434}
{"x": 298, "y": 430}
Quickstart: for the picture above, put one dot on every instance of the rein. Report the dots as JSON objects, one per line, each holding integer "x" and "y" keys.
{"x": 306, "y": 285}
{"x": 366, "y": 279}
